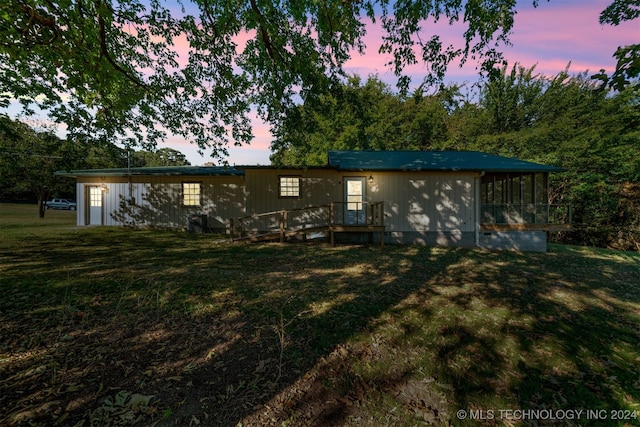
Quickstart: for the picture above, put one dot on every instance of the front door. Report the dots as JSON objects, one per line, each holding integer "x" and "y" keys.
{"x": 354, "y": 206}
{"x": 94, "y": 206}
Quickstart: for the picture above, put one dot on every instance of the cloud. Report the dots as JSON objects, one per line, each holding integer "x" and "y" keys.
{"x": 549, "y": 36}
{"x": 556, "y": 33}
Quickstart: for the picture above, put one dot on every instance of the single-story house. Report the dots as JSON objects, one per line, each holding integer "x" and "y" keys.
{"x": 445, "y": 198}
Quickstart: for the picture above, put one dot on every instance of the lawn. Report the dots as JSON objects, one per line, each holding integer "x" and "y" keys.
{"x": 111, "y": 326}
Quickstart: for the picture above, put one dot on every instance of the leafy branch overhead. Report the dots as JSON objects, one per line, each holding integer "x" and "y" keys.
{"x": 135, "y": 71}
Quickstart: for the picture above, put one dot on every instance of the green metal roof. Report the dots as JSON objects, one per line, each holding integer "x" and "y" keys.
{"x": 159, "y": 171}
{"x": 445, "y": 161}
{"x": 449, "y": 161}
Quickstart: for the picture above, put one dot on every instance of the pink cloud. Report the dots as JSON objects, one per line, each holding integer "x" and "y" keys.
{"x": 552, "y": 36}
{"x": 555, "y": 34}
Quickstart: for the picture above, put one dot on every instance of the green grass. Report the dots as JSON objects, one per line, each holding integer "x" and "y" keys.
{"x": 113, "y": 326}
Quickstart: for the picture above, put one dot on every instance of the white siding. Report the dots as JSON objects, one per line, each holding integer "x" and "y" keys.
{"x": 80, "y": 199}
{"x": 157, "y": 201}
{"x": 414, "y": 202}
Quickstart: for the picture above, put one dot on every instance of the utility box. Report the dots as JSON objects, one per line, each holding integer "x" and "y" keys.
{"x": 197, "y": 223}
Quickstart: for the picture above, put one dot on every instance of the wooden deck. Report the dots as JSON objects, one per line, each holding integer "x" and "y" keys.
{"x": 374, "y": 223}
{"x": 282, "y": 225}
{"x": 341, "y": 228}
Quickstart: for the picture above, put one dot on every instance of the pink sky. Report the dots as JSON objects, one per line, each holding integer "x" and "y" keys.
{"x": 550, "y": 36}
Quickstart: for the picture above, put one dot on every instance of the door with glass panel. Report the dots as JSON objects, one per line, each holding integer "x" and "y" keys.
{"x": 94, "y": 205}
{"x": 354, "y": 203}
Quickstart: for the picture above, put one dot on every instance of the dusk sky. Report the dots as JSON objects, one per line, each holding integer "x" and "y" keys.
{"x": 550, "y": 36}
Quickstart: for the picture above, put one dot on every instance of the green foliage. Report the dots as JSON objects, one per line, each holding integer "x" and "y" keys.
{"x": 358, "y": 116}
{"x": 620, "y": 10}
{"x": 28, "y": 160}
{"x": 628, "y": 57}
{"x": 572, "y": 122}
{"x": 112, "y": 70}
{"x": 161, "y": 157}
{"x": 566, "y": 120}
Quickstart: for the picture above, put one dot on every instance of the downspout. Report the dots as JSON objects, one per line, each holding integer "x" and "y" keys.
{"x": 130, "y": 201}
{"x": 478, "y": 181}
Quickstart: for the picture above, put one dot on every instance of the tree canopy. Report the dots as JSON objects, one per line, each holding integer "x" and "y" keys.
{"x": 112, "y": 69}
{"x": 29, "y": 158}
{"x": 566, "y": 120}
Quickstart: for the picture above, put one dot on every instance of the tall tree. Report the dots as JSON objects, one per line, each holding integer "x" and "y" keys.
{"x": 357, "y": 116}
{"x": 627, "y": 57}
{"x": 112, "y": 69}
{"x": 28, "y": 160}
{"x": 161, "y": 157}
{"x": 576, "y": 124}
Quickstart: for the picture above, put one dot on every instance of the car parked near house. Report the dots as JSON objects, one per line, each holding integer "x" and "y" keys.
{"x": 61, "y": 204}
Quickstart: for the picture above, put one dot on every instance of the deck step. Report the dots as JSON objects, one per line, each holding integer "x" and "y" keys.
{"x": 276, "y": 235}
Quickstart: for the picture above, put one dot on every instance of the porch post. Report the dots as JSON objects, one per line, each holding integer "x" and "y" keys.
{"x": 283, "y": 218}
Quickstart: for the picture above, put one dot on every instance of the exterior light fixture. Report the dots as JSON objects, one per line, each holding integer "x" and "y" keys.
{"x": 370, "y": 179}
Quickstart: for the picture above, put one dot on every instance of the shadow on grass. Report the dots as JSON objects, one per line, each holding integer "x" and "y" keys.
{"x": 307, "y": 334}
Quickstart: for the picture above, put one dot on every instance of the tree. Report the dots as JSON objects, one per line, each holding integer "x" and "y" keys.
{"x": 111, "y": 70}
{"x": 29, "y": 158}
{"x": 161, "y": 157}
{"x": 28, "y": 161}
{"x": 628, "y": 57}
{"x": 357, "y": 116}
{"x": 573, "y": 123}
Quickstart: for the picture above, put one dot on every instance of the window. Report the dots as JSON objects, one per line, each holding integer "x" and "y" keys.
{"x": 95, "y": 197}
{"x": 289, "y": 187}
{"x": 191, "y": 194}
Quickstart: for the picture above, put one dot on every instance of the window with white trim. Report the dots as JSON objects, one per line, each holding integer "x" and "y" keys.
{"x": 191, "y": 194}
{"x": 289, "y": 187}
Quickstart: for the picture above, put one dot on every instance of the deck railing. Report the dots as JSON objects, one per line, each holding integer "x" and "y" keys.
{"x": 357, "y": 213}
{"x": 307, "y": 219}
{"x": 526, "y": 213}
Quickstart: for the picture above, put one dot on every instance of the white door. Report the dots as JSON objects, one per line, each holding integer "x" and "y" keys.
{"x": 94, "y": 206}
{"x": 354, "y": 206}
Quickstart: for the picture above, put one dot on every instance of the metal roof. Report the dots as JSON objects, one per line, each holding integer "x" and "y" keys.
{"x": 449, "y": 161}
{"x": 445, "y": 161}
{"x": 158, "y": 171}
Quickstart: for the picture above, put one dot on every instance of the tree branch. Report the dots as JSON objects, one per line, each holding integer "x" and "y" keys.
{"x": 104, "y": 53}
{"x": 45, "y": 21}
{"x": 263, "y": 32}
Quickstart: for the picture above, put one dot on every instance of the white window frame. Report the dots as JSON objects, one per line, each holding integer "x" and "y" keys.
{"x": 192, "y": 194}
{"x": 289, "y": 186}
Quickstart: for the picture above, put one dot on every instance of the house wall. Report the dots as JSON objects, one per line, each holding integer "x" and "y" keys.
{"x": 424, "y": 208}
{"x": 428, "y": 208}
{"x": 438, "y": 209}
{"x": 156, "y": 201}
{"x": 530, "y": 241}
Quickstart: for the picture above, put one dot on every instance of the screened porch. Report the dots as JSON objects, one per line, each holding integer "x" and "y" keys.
{"x": 520, "y": 201}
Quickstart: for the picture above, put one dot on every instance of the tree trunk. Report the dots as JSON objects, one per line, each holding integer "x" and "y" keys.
{"x": 43, "y": 195}
{"x": 41, "y": 207}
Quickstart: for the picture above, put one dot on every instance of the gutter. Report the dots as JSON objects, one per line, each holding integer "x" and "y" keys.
{"x": 478, "y": 180}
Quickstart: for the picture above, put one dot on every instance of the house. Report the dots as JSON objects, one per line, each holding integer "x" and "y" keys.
{"x": 443, "y": 198}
